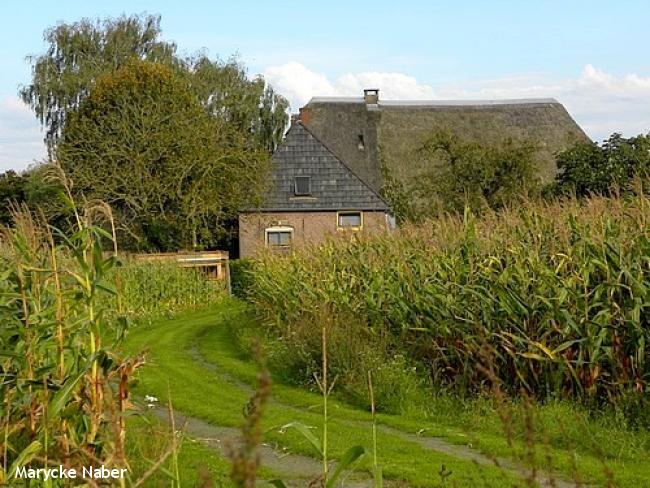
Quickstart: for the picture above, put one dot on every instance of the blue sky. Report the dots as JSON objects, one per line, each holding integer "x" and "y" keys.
{"x": 591, "y": 55}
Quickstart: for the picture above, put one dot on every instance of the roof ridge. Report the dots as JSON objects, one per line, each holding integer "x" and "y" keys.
{"x": 340, "y": 160}
{"x": 438, "y": 102}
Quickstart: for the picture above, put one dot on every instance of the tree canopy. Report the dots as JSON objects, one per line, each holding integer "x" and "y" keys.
{"x": 142, "y": 142}
{"x": 463, "y": 173}
{"x": 589, "y": 168}
{"x": 78, "y": 53}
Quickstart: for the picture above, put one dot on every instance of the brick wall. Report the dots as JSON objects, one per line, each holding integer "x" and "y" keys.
{"x": 308, "y": 227}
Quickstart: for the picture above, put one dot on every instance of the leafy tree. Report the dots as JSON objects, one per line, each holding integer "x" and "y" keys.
{"x": 250, "y": 105}
{"x": 400, "y": 198}
{"x": 142, "y": 142}
{"x": 77, "y": 54}
{"x": 12, "y": 190}
{"x": 35, "y": 188}
{"x": 589, "y": 168}
{"x": 80, "y": 52}
{"x": 461, "y": 173}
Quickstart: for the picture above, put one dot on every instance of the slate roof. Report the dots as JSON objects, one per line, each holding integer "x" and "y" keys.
{"x": 333, "y": 184}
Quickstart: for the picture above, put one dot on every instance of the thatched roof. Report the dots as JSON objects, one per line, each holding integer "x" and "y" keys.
{"x": 398, "y": 128}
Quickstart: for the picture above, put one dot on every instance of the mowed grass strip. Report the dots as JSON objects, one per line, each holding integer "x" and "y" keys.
{"x": 198, "y": 391}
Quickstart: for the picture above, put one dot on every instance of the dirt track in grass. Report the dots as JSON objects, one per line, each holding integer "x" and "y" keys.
{"x": 210, "y": 385}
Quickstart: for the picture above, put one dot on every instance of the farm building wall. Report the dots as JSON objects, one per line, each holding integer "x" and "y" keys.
{"x": 308, "y": 228}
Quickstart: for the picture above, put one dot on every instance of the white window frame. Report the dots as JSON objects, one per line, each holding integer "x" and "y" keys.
{"x": 278, "y": 228}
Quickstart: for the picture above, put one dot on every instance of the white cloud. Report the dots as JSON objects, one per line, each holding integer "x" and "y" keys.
{"x": 21, "y": 140}
{"x": 298, "y": 83}
{"x": 600, "y": 102}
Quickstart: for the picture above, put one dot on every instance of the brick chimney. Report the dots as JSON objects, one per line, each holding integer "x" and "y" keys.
{"x": 305, "y": 115}
{"x": 371, "y": 96}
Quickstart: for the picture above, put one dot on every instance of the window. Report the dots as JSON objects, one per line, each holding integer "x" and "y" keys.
{"x": 279, "y": 237}
{"x": 361, "y": 144}
{"x": 302, "y": 186}
{"x": 349, "y": 220}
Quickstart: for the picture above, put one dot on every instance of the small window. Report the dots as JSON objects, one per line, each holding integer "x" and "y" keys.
{"x": 302, "y": 186}
{"x": 279, "y": 237}
{"x": 349, "y": 220}
{"x": 361, "y": 144}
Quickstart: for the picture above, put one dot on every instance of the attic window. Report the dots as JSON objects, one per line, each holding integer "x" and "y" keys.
{"x": 361, "y": 144}
{"x": 302, "y": 186}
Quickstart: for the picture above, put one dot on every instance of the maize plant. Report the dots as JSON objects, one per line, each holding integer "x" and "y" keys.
{"x": 63, "y": 392}
{"x": 548, "y": 298}
{"x": 147, "y": 290}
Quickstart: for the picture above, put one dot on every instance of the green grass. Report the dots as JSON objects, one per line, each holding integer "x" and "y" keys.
{"x": 572, "y": 438}
{"x": 197, "y": 390}
{"x": 149, "y": 439}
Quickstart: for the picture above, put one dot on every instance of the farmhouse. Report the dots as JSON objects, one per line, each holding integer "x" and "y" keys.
{"x": 327, "y": 175}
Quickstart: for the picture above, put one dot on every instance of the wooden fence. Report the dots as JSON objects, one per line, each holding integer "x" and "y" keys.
{"x": 215, "y": 264}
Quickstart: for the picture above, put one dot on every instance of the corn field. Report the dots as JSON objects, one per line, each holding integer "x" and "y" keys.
{"x": 65, "y": 304}
{"x": 148, "y": 290}
{"x": 552, "y": 299}
{"x": 64, "y": 391}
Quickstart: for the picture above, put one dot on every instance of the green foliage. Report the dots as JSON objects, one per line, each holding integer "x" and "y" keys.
{"x": 63, "y": 390}
{"x": 462, "y": 173}
{"x": 549, "y": 299}
{"x": 149, "y": 290}
{"x": 459, "y": 174}
{"x": 588, "y": 168}
{"x": 142, "y": 143}
{"x": 399, "y": 197}
{"x": 177, "y": 162}
{"x": 240, "y": 276}
{"x": 251, "y": 106}
{"x": 39, "y": 190}
{"x": 12, "y": 190}
{"x": 77, "y": 54}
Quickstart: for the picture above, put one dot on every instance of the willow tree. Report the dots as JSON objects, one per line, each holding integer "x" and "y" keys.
{"x": 251, "y": 105}
{"x": 142, "y": 142}
{"x": 78, "y": 53}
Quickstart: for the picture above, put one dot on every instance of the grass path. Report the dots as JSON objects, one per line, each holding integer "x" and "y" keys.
{"x": 194, "y": 358}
